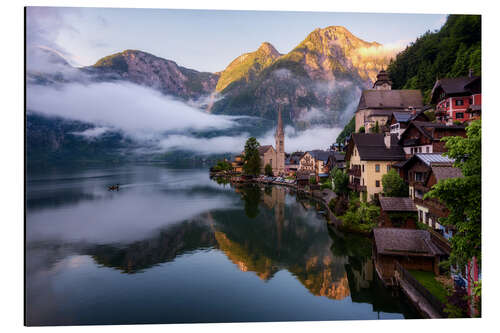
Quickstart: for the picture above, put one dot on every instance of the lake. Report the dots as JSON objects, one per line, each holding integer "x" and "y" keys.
{"x": 174, "y": 246}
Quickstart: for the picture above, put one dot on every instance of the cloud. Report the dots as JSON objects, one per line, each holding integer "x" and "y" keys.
{"x": 137, "y": 110}
{"x": 43, "y": 27}
{"x": 313, "y": 138}
{"x": 92, "y": 133}
{"x": 380, "y": 53}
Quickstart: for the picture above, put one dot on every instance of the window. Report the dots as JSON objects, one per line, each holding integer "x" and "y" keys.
{"x": 419, "y": 149}
{"x": 377, "y": 183}
{"x": 363, "y": 181}
{"x": 363, "y": 167}
{"x": 470, "y": 101}
{"x": 388, "y": 167}
{"x": 419, "y": 215}
{"x": 459, "y": 102}
{"x": 427, "y": 149}
{"x": 419, "y": 176}
{"x": 377, "y": 167}
{"x": 459, "y": 115}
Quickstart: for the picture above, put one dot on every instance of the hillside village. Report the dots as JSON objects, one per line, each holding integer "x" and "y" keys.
{"x": 385, "y": 169}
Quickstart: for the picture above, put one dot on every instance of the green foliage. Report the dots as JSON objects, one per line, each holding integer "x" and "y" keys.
{"x": 251, "y": 160}
{"x": 348, "y": 130}
{"x": 312, "y": 180}
{"x": 462, "y": 196}
{"x": 428, "y": 280}
{"x": 394, "y": 185}
{"x": 222, "y": 165}
{"x": 376, "y": 128}
{"x": 360, "y": 216}
{"x": 115, "y": 62}
{"x": 340, "y": 181}
{"x": 449, "y": 52}
{"x": 361, "y": 129}
{"x": 268, "y": 170}
{"x": 430, "y": 114}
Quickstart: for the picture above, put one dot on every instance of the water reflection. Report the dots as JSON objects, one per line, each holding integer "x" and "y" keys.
{"x": 163, "y": 217}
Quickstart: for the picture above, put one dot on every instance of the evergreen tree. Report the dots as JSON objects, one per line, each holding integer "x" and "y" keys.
{"x": 251, "y": 166}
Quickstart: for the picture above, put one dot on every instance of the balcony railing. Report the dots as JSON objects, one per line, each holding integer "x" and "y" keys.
{"x": 355, "y": 171}
{"x": 357, "y": 187}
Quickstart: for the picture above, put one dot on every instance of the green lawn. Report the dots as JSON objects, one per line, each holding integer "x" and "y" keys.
{"x": 435, "y": 287}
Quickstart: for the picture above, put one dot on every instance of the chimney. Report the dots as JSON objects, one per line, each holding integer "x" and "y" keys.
{"x": 387, "y": 140}
{"x": 471, "y": 72}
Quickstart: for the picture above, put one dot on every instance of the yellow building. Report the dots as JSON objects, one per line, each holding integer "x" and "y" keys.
{"x": 370, "y": 156}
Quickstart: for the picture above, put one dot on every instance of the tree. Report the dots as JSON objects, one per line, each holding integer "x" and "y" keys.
{"x": 376, "y": 128}
{"x": 348, "y": 130}
{"x": 268, "y": 170}
{"x": 462, "y": 196}
{"x": 361, "y": 129}
{"x": 340, "y": 181}
{"x": 394, "y": 185}
{"x": 251, "y": 160}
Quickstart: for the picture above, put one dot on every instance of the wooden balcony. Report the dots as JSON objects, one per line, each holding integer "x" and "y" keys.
{"x": 355, "y": 171}
{"x": 357, "y": 187}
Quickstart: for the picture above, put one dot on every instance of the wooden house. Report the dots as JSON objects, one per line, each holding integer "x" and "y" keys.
{"x": 397, "y": 213}
{"x": 399, "y": 121}
{"x": 425, "y": 137}
{"x": 421, "y": 172}
{"x": 413, "y": 249}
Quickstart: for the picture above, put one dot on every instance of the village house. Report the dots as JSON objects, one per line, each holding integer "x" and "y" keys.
{"x": 413, "y": 249}
{"x": 397, "y": 213}
{"x": 370, "y": 156}
{"x": 336, "y": 160}
{"x": 292, "y": 162}
{"x": 237, "y": 164}
{"x": 425, "y": 137}
{"x": 274, "y": 157}
{"x": 399, "y": 121}
{"x": 421, "y": 172}
{"x": 457, "y": 99}
{"x": 378, "y": 104}
{"x": 315, "y": 162}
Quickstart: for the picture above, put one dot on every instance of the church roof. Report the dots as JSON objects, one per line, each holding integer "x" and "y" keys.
{"x": 390, "y": 99}
{"x": 264, "y": 149}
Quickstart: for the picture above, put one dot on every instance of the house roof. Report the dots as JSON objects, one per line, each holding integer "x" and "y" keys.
{"x": 445, "y": 172}
{"x": 321, "y": 155}
{"x": 371, "y": 147}
{"x": 453, "y": 86}
{"x": 394, "y": 204}
{"x": 263, "y": 149}
{"x": 395, "y": 241}
{"x": 432, "y": 158}
{"x": 390, "y": 99}
{"x": 427, "y": 129}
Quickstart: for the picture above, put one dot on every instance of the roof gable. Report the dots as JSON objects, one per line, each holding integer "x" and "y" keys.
{"x": 371, "y": 147}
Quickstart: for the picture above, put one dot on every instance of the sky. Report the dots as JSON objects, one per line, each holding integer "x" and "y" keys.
{"x": 205, "y": 40}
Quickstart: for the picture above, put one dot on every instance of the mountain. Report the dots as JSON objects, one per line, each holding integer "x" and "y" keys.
{"x": 449, "y": 52}
{"x": 152, "y": 71}
{"x": 247, "y": 66}
{"x": 325, "y": 72}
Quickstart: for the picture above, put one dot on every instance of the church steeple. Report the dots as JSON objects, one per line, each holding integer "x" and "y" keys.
{"x": 280, "y": 134}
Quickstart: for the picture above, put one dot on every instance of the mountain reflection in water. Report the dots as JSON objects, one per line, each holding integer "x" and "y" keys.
{"x": 261, "y": 231}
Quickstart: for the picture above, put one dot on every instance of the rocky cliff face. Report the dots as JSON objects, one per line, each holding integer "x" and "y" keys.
{"x": 324, "y": 72}
{"x": 151, "y": 71}
{"x": 247, "y": 66}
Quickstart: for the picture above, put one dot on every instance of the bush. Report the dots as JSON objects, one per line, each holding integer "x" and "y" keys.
{"x": 394, "y": 185}
{"x": 312, "y": 180}
{"x": 361, "y": 129}
{"x": 268, "y": 170}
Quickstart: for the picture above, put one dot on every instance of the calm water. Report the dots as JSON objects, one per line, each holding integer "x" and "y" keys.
{"x": 173, "y": 246}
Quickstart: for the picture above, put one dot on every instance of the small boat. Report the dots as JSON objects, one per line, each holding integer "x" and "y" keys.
{"x": 115, "y": 187}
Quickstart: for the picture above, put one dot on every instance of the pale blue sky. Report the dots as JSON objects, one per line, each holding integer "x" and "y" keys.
{"x": 208, "y": 40}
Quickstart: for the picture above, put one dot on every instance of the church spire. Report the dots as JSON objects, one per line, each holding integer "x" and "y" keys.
{"x": 279, "y": 128}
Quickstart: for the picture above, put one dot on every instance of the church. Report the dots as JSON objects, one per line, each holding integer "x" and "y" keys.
{"x": 274, "y": 157}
